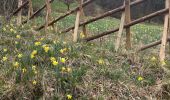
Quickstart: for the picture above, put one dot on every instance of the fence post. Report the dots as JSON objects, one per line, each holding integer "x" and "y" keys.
{"x": 19, "y": 13}
{"x": 128, "y": 20}
{"x": 120, "y": 31}
{"x": 164, "y": 35}
{"x": 30, "y": 12}
{"x": 75, "y": 35}
{"x": 169, "y": 26}
{"x": 48, "y": 15}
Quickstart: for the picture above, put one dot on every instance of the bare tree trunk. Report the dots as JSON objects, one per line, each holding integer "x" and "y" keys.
{"x": 19, "y": 13}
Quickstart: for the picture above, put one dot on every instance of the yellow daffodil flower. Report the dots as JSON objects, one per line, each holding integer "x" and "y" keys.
{"x": 55, "y": 63}
{"x": 69, "y": 97}
{"x": 63, "y": 60}
{"x": 153, "y": 58}
{"x": 63, "y": 50}
{"x": 52, "y": 59}
{"x": 63, "y": 69}
{"x": 4, "y": 29}
{"x": 5, "y": 50}
{"x": 4, "y": 59}
{"x": 18, "y": 36}
{"x": 41, "y": 39}
{"x": 37, "y": 43}
{"x": 24, "y": 70}
{"x": 34, "y": 52}
{"x": 33, "y": 67}
{"x": 34, "y": 82}
{"x": 20, "y": 55}
{"x": 16, "y": 42}
{"x": 46, "y": 48}
{"x": 11, "y": 30}
{"x": 101, "y": 61}
{"x": 16, "y": 64}
{"x": 163, "y": 63}
{"x": 140, "y": 78}
{"x": 82, "y": 35}
{"x": 69, "y": 69}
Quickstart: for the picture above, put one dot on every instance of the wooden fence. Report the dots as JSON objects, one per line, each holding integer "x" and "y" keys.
{"x": 126, "y": 23}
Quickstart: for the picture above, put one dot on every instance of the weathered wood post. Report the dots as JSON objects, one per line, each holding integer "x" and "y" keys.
{"x": 128, "y": 20}
{"x": 164, "y": 35}
{"x": 75, "y": 35}
{"x": 125, "y": 19}
{"x": 30, "y": 11}
{"x": 169, "y": 27}
{"x": 48, "y": 17}
{"x": 122, "y": 23}
{"x": 19, "y": 18}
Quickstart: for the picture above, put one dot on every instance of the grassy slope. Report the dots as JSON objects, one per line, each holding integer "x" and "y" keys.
{"x": 98, "y": 72}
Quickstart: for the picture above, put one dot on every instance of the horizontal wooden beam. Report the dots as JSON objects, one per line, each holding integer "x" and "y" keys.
{"x": 142, "y": 19}
{"x": 151, "y": 45}
{"x": 65, "y": 15}
{"x": 19, "y": 8}
{"x": 119, "y": 9}
{"x": 35, "y": 13}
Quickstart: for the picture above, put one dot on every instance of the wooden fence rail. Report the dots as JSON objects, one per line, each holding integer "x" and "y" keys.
{"x": 119, "y": 9}
{"x": 160, "y": 12}
{"x": 66, "y": 14}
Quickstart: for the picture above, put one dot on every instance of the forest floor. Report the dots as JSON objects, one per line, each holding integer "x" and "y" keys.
{"x": 38, "y": 65}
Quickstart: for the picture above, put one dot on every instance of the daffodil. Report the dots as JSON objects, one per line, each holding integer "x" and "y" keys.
{"x": 20, "y": 55}
{"x": 32, "y": 56}
{"x": 52, "y": 59}
{"x": 16, "y": 42}
{"x": 163, "y": 63}
{"x": 11, "y": 30}
{"x": 140, "y": 78}
{"x": 63, "y": 60}
{"x": 101, "y": 61}
{"x": 69, "y": 97}
{"x": 4, "y": 59}
{"x": 34, "y": 82}
{"x": 63, "y": 50}
{"x": 35, "y": 72}
{"x": 34, "y": 52}
{"x": 33, "y": 67}
{"x": 24, "y": 70}
{"x": 153, "y": 58}
{"x": 16, "y": 64}
{"x": 46, "y": 48}
{"x": 5, "y": 50}
{"x": 18, "y": 36}
{"x": 64, "y": 42}
{"x": 69, "y": 69}
{"x": 55, "y": 63}
{"x": 82, "y": 35}
{"x": 37, "y": 43}
{"x": 4, "y": 29}
{"x": 41, "y": 39}
{"x": 63, "y": 69}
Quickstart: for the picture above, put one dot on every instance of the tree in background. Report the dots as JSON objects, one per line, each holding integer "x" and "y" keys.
{"x": 68, "y": 2}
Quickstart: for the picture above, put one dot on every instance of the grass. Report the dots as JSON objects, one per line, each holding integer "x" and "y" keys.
{"x": 90, "y": 70}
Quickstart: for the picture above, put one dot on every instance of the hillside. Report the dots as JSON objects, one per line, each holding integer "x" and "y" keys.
{"x": 39, "y": 66}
